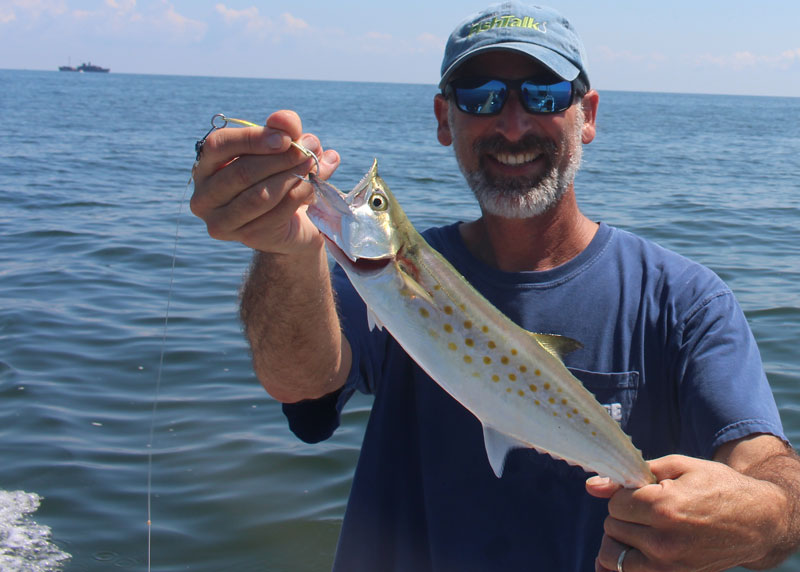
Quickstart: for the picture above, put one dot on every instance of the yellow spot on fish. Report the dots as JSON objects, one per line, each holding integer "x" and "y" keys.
{"x": 521, "y": 393}
{"x": 512, "y": 377}
{"x": 594, "y": 433}
{"x": 448, "y": 310}
{"x": 463, "y": 307}
{"x": 470, "y": 342}
{"x": 533, "y": 388}
{"x": 585, "y": 420}
{"x": 491, "y": 345}
{"x": 537, "y": 372}
{"x": 536, "y": 402}
{"x": 513, "y": 352}
{"x": 467, "y": 324}
{"x": 424, "y": 313}
{"x": 569, "y": 415}
{"x": 523, "y": 369}
{"x": 504, "y": 360}
{"x": 552, "y": 401}
{"x": 485, "y": 329}
{"x": 495, "y": 378}
{"x": 437, "y": 287}
{"x": 575, "y": 411}
{"x": 508, "y": 390}
{"x": 547, "y": 386}
{"x": 468, "y": 359}
{"x": 448, "y": 328}
{"x": 487, "y": 360}
{"x": 475, "y": 374}
{"x": 563, "y": 402}
{"x": 452, "y": 346}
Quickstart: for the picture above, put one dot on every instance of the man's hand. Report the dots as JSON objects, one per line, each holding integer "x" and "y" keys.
{"x": 247, "y": 189}
{"x": 701, "y": 516}
{"x": 246, "y": 185}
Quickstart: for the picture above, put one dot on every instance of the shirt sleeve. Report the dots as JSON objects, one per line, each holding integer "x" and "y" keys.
{"x": 723, "y": 390}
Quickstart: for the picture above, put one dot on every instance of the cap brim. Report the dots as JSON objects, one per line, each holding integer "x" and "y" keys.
{"x": 555, "y": 62}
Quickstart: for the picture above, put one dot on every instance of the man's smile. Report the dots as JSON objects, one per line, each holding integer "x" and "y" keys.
{"x": 515, "y": 159}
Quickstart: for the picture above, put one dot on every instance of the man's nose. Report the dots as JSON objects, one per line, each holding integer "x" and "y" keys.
{"x": 514, "y": 122}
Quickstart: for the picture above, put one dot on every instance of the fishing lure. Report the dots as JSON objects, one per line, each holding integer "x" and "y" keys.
{"x": 198, "y": 146}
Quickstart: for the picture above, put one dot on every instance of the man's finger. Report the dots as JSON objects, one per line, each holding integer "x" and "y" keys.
{"x": 246, "y": 172}
{"x": 601, "y": 487}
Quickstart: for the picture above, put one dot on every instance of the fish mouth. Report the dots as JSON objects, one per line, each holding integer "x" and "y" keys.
{"x": 361, "y": 266}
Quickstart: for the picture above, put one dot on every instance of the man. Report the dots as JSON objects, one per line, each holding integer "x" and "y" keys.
{"x": 666, "y": 347}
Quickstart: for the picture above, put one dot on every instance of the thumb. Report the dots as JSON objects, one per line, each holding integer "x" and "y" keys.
{"x": 671, "y": 466}
{"x": 601, "y": 487}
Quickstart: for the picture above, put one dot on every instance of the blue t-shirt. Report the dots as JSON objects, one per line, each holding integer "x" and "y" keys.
{"x": 667, "y": 349}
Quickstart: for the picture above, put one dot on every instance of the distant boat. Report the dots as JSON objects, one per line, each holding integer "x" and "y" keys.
{"x": 84, "y": 67}
{"x": 90, "y": 68}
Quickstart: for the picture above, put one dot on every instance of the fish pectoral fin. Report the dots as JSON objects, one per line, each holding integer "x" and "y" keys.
{"x": 559, "y": 346}
{"x": 373, "y": 321}
{"x": 497, "y": 447}
{"x": 412, "y": 288}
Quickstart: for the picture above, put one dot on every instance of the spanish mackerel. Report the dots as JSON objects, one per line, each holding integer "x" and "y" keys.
{"x": 512, "y": 380}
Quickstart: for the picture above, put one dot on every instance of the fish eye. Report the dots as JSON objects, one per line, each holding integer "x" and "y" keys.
{"x": 378, "y": 202}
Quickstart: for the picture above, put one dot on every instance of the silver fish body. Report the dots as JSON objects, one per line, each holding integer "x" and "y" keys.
{"x": 513, "y": 381}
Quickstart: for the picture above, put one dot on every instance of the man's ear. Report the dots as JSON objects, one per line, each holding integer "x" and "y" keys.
{"x": 440, "y": 109}
{"x": 590, "y": 102}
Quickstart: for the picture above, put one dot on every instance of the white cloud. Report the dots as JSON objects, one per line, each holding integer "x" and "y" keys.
{"x": 179, "y": 24}
{"x": 609, "y": 55}
{"x": 7, "y": 15}
{"x": 260, "y": 27}
{"x": 744, "y": 60}
{"x": 430, "y": 43}
{"x": 378, "y": 36}
{"x": 294, "y": 24}
{"x": 35, "y": 9}
{"x": 233, "y": 16}
{"x": 122, "y": 5}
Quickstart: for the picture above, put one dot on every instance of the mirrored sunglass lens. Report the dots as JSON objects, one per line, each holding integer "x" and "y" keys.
{"x": 553, "y": 98}
{"x": 483, "y": 98}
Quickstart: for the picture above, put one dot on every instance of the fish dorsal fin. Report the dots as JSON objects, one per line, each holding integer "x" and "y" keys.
{"x": 497, "y": 447}
{"x": 559, "y": 346}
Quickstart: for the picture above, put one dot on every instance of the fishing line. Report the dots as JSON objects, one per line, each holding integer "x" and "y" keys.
{"x": 218, "y": 121}
{"x": 158, "y": 375}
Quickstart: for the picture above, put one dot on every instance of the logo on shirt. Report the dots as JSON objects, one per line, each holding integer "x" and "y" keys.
{"x": 615, "y": 410}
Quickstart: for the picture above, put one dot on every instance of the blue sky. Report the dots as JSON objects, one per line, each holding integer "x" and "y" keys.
{"x": 699, "y": 46}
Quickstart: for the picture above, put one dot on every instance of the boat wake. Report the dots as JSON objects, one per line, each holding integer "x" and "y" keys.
{"x": 26, "y": 546}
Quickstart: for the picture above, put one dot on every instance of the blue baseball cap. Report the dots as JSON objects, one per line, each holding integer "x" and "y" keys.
{"x": 539, "y": 32}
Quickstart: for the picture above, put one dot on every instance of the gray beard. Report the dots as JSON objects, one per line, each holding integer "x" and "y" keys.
{"x": 524, "y": 197}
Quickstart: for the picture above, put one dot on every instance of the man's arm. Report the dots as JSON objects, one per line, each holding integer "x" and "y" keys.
{"x": 742, "y": 509}
{"x": 290, "y": 320}
{"x": 247, "y": 190}
{"x": 770, "y": 460}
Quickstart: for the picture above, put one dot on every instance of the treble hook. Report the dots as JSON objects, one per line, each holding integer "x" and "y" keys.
{"x": 198, "y": 146}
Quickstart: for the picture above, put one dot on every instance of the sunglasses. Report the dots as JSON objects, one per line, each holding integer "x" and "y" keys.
{"x": 487, "y": 96}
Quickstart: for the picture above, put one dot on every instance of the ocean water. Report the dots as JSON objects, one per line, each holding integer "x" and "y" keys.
{"x": 93, "y": 171}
